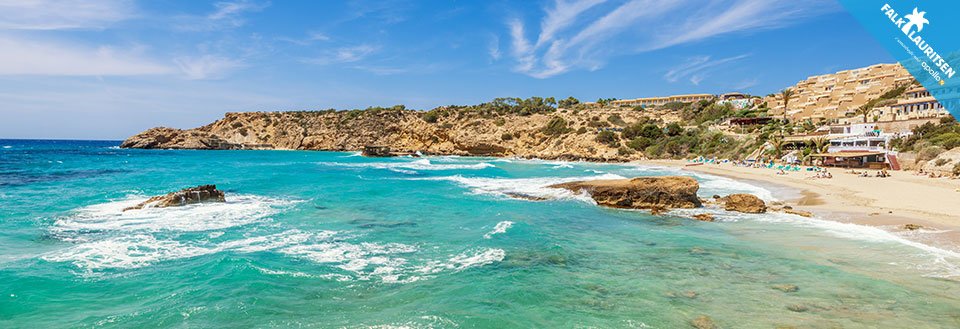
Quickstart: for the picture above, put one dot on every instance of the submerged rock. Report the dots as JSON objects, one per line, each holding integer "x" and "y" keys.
{"x": 745, "y": 203}
{"x": 786, "y": 287}
{"x": 798, "y": 212}
{"x": 912, "y": 227}
{"x": 703, "y": 322}
{"x": 654, "y": 193}
{"x": 703, "y": 217}
{"x": 202, "y": 193}
{"x": 524, "y": 196}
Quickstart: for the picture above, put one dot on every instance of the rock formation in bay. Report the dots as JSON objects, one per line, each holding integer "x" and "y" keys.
{"x": 741, "y": 202}
{"x": 199, "y": 194}
{"x": 655, "y": 193}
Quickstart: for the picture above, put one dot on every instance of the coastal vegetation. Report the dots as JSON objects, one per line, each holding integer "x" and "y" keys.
{"x": 931, "y": 139}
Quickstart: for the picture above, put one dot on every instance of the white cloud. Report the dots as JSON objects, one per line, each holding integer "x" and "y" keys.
{"x": 32, "y": 57}
{"x": 697, "y": 68}
{"x": 226, "y": 15}
{"x": 344, "y": 55}
{"x": 494, "y": 48}
{"x": 561, "y": 16}
{"x": 63, "y": 14}
{"x": 579, "y": 34}
{"x": 207, "y": 67}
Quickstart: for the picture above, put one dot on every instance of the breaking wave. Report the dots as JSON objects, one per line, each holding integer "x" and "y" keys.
{"x": 410, "y": 167}
{"x": 500, "y": 228}
{"x": 238, "y": 210}
{"x": 521, "y": 187}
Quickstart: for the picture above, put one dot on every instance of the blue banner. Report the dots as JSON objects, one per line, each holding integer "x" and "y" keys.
{"x": 924, "y": 36}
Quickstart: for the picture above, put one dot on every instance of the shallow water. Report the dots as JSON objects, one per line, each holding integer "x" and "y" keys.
{"x": 325, "y": 239}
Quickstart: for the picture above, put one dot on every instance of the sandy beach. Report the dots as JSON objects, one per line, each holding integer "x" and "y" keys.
{"x": 889, "y": 203}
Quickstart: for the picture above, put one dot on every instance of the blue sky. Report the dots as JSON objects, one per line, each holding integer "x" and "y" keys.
{"x": 106, "y": 69}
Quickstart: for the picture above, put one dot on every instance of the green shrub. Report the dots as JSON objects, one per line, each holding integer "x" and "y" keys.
{"x": 616, "y": 120}
{"x": 608, "y": 138}
{"x": 431, "y": 116}
{"x": 623, "y": 151}
{"x": 499, "y": 122}
{"x": 556, "y": 126}
{"x": 582, "y": 130}
{"x": 640, "y": 143}
{"x": 941, "y": 162}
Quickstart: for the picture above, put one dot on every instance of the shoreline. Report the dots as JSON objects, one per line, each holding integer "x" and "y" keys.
{"x": 885, "y": 203}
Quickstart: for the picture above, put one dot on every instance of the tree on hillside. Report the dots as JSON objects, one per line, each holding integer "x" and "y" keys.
{"x": 568, "y": 102}
{"x": 786, "y": 94}
{"x": 865, "y": 110}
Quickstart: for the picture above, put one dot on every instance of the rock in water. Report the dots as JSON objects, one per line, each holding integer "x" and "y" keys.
{"x": 746, "y": 203}
{"x": 703, "y": 217}
{"x": 641, "y": 192}
{"x": 798, "y": 212}
{"x": 202, "y": 193}
{"x": 912, "y": 227}
{"x": 703, "y": 322}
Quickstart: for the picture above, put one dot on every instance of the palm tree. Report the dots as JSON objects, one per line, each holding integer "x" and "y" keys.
{"x": 786, "y": 94}
{"x": 864, "y": 110}
{"x": 777, "y": 142}
{"x": 820, "y": 144}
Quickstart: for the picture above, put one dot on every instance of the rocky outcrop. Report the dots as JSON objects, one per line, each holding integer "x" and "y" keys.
{"x": 655, "y": 193}
{"x": 202, "y": 193}
{"x": 403, "y": 131}
{"x": 945, "y": 164}
{"x": 745, "y": 203}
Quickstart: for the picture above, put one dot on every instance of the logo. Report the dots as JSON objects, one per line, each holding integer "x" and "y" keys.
{"x": 911, "y": 25}
{"x": 915, "y": 19}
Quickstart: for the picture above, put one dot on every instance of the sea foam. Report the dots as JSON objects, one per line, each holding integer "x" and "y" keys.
{"x": 533, "y": 187}
{"x": 238, "y": 210}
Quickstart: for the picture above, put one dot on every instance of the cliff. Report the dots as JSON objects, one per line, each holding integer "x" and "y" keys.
{"x": 455, "y": 132}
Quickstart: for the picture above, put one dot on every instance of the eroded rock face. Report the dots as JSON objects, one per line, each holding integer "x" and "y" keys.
{"x": 202, "y": 193}
{"x": 704, "y": 217}
{"x": 745, "y": 203}
{"x": 640, "y": 193}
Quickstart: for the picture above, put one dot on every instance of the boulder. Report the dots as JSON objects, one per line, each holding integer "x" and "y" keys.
{"x": 745, "y": 203}
{"x": 202, "y": 193}
{"x": 655, "y": 193}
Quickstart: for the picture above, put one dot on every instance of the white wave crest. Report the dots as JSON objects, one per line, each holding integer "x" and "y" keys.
{"x": 410, "y": 167}
{"x": 500, "y": 228}
{"x": 530, "y": 187}
{"x": 465, "y": 260}
{"x": 238, "y": 210}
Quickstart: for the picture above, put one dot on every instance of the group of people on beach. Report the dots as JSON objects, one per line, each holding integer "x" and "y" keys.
{"x": 881, "y": 173}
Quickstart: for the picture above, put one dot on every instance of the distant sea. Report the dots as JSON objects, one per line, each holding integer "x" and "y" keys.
{"x": 335, "y": 240}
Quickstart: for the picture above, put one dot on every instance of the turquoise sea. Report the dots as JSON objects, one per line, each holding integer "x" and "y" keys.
{"x": 335, "y": 240}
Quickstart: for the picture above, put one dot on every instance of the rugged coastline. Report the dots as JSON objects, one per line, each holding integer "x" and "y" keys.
{"x": 461, "y": 133}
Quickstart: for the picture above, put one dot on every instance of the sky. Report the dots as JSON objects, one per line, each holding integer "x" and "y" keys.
{"x": 108, "y": 69}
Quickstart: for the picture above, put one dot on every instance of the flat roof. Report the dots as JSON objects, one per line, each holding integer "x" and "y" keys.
{"x": 845, "y": 154}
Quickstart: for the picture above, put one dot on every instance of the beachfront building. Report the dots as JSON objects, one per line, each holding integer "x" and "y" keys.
{"x": 859, "y": 145}
{"x": 916, "y": 103}
{"x": 833, "y": 98}
{"x": 660, "y": 101}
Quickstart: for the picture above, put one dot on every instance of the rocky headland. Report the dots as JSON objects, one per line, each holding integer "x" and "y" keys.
{"x": 549, "y": 134}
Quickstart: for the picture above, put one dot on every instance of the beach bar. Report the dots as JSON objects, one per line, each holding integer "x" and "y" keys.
{"x": 869, "y": 160}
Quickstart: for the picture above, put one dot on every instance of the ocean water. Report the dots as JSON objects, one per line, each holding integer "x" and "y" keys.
{"x": 335, "y": 240}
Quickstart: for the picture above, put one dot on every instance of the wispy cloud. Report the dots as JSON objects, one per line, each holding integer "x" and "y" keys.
{"x": 584, "y": 34}
{"x": 344, "y": 55}
{"x": 207, "y": 67}
{"x": 493, "y": 49}
{"x": 697, "y": 68}
{"x": 21, "y": 56}
{"x": 225, "y": 15}
{"x": 63, "y": 14}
